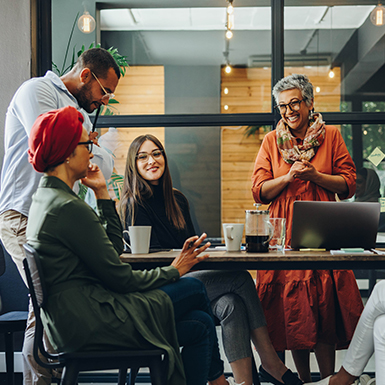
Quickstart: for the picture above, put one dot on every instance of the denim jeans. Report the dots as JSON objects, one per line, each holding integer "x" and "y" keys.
{"x": 196, "y": 331}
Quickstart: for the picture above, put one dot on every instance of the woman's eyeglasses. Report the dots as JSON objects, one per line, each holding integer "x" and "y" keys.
{"x": 293, "y": 105}
{"x": 143, "y": 156}
{"x": 88, "y": 144}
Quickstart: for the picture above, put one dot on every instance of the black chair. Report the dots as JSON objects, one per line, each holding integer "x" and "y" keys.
{"x": 156, "y": 359}
{"x": 14, "y": 308}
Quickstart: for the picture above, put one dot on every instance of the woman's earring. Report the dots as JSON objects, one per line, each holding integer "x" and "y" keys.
{"x": 311, "y": 113}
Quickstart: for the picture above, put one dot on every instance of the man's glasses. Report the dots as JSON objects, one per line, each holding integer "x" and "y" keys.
{"x": 293, "y": 105}
{"x": 143, "y": 156}
{"x": 107, "y": 96}
{"x": 88, "y": 144}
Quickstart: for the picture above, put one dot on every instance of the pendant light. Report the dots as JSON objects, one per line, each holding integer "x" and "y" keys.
{"x": 377, "y": 16}
{"x": 86, "y": 23}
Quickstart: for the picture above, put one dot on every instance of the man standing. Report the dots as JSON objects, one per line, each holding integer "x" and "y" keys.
{"x": 86, "y": 87}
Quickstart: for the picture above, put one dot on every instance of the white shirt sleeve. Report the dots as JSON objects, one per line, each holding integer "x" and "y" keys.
{"x": 33, "y": 99}
{"x": 104, "y": 160}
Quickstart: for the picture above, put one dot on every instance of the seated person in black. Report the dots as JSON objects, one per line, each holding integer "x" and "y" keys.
{"x": 368, "y": 190}
{"x": 148, "y": 198}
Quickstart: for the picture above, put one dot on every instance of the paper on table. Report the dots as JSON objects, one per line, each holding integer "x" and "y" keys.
{"x": 336, "y": 252}
{"x": 379, "y": 252}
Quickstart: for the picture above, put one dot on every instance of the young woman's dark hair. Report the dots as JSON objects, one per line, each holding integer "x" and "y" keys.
{"x": 136, "y": 189}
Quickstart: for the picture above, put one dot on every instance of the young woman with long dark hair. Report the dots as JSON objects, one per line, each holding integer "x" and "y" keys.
{"x": 148, "y": 198}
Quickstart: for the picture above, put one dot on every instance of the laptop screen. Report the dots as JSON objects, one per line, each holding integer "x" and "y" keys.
{"x": 335, "y": 225}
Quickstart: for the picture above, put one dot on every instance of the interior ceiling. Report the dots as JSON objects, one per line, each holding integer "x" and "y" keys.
{"x": 195, "y": 36}
{"x": 246, "y": 18}
{"x": 184, "y": 33}
{"x": 222, "y": 3}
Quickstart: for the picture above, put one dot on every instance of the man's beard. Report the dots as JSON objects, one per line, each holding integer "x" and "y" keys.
{"x": 84, "y": 98}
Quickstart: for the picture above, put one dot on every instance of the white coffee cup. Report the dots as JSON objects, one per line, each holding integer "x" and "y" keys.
{"x": 139, "y": 239}
{"x": 232, "y": 233}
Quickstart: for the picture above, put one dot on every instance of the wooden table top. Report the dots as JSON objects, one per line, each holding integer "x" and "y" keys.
{"x": 287, "y": 260}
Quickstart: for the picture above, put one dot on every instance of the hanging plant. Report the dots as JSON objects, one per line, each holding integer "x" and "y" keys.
{"x": 254, "y": 130}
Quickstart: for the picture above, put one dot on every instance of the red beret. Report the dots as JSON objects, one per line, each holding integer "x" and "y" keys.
{"x": 54, "y": 136}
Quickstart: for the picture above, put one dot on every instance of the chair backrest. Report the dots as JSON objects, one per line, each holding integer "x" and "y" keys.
{"x": 2, "y": 260}
{"x": 35, "y": 279}
{"x": 13, "y": 292}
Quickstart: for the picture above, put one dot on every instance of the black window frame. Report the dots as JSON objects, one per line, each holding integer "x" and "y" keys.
{"x": 42, "y": 59}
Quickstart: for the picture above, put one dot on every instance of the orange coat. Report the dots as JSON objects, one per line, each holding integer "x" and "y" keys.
{"x": 303, "y": 307}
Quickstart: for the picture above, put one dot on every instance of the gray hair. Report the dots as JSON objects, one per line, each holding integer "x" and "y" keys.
{"x": 300, "y": 82}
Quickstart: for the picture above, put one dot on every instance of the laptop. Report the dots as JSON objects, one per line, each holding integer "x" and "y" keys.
{"x": 335, "y": 225}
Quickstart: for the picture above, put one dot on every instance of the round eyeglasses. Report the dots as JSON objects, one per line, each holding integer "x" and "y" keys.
{"x": 294, "y": 105}
{"x": 144, "y": 156}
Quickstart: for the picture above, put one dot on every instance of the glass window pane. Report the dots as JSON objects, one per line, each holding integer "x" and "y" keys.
{"x": 339, "y": 41}
{"x": 211, "y": 166}
{"x": 189, "y": 47}
{"x": 194, "y": 161}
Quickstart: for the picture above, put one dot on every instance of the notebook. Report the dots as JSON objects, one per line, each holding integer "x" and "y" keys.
{"x": 335, "y": 225}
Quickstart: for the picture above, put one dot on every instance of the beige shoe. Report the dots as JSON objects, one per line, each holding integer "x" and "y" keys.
{"x": 231, "y": 381}
{"x": 325, "y": 381}
{"x": 367, "y": 380}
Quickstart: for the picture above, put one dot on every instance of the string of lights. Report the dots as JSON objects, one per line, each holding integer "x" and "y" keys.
{"x": 228, "y": 34}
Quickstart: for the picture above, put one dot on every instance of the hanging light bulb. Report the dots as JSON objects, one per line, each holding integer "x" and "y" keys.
{"x": 331, "y": 73}
{"x": 377, "y": 16}
{"x": 86, "y": 23}
{"x": 226, "y": 107}
{"x": 230, "y": 21}
{"x": 229, "y": 34}
{"x": 228, "y": 68}
{"x": 226, "y": 91}
{"x": 317, "y": 89}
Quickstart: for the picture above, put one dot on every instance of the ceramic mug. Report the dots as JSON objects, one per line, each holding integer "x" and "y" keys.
{"x": 232, "y": 233}
{"x": 139, "y": 239}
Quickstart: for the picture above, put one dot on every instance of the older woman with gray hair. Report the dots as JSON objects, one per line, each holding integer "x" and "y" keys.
{"x": 304, "y": 159}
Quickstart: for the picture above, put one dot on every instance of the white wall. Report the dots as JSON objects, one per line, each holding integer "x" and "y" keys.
{"x": 15, "y": 53}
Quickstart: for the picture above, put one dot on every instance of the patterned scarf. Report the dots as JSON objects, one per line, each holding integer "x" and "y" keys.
{"x": 287, "y": 143}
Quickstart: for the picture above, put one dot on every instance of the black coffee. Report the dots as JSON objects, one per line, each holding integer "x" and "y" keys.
{"x": 257, "y": 243}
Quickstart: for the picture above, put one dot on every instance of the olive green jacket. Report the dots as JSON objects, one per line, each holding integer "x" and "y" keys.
{"x": 94, "y": 300}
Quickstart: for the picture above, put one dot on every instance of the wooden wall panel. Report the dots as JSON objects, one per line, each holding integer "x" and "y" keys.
{"x": 140, "y": 91}
{"x": 249, "y": 90}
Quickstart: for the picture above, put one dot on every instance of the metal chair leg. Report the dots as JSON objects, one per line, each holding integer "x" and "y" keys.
{"x": 254, "y": 372}
{"x": 122, "y": 376}
{"x": 158, "y": 372}
{"x": 9, "y": 358}
{"x": 132, "y": 376}
{"x": 70, "y": 374}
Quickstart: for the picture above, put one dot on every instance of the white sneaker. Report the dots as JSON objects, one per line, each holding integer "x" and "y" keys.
{"x": 367, "y": 380}
{"x": 231, "y": 381}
